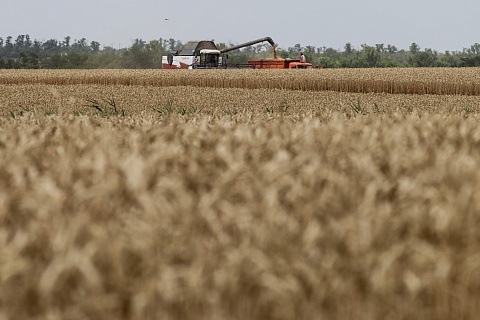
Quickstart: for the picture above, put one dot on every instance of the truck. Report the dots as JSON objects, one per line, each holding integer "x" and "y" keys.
{"x": 205, "y": 55}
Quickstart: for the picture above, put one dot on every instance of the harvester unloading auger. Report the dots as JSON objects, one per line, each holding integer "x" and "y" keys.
{"x": 205, "y": 55}
{"x": 251, "y": 43}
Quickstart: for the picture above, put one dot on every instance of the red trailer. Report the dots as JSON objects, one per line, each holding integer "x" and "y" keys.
{"x": 279, "y": 64}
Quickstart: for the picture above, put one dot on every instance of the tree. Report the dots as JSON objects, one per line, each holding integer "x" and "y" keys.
{"x": 137, "y": 57}
{"x": 81, "y": 45}
{"x": 171, "y": 43}
{"x": 449, "y": 60}
{"x": 422, "y": 59}
{"x": 8, "y": 47}
{"x": 95, "y": 46}
{"x": 155, "y": 51}
{"x": 51, "y": 46}
{"x": 414, "y": 48}
{"x": 36, "y": 47}
{"x": 370, "y": 56}
{"x": 475, "y": 48}
{"x": 66, "y": 42}
{"x": 470, "y": 61}
{"x": 471, "y": 56}
{"x": 221, "y": 45}
{"x": 109, "y": 58}
{"x": 391, "y": 49}
{"x": 309, "y": 53}
{"x": 380, "y": 47}
{"x": 28, "y": 42}
{"x": 29, "y": 60}
{"x": 19, "y": 43}
{"x": 326, "y": 62}
{"x": 348, "y": 49}
{"x": 282, "y": 53}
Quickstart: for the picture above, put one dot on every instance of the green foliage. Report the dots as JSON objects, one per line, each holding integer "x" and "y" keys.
{"x": 376, "y": 108}
{"x": 22, "y": 112}
{"x": 106, "y": 107}
{"x": 471, "y": 60}
{"x": 166, "y": 109}
{"x": 282, "y": 108}
{"x": 358, "y": 109}
{"x": 270, "y": 110}
{"x": 182, "y": 111}
{"x": 230, "y": 111}
{"x": 25, "y": 53}
{"x": 370, "y": 57}
{"x": 29, "y": 60}
{"x": 427, "y": 58}
{"x": 79, "y": 113}
{"x": 51, "y": 112}
{"x": 78, "y": 54}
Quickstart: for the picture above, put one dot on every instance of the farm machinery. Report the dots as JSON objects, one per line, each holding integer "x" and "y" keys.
{"x": 205, "y": 55}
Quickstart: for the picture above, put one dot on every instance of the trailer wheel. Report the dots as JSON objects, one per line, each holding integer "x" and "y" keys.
{"x": 170, "y": 59}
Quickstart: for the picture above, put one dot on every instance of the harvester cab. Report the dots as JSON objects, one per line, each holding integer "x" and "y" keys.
{"x": 208, "y": 59}
{"x": 194, "y": 55}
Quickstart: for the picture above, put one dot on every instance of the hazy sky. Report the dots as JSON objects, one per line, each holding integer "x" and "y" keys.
{"x": 436, "y": 24}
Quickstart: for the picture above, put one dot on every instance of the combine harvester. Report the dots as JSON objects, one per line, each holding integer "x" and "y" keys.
{"x": 205, "y": 55}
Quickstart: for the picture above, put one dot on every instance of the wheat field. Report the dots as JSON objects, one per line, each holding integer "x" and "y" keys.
{"x": 442, "y": 81}
{"x": 171, "y": 200}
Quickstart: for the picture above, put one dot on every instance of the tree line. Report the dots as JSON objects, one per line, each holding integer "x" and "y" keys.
{"x": 25, "y": 53}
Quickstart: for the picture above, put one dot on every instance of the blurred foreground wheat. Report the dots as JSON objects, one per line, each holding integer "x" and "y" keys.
{"x": 138, "y": 219}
